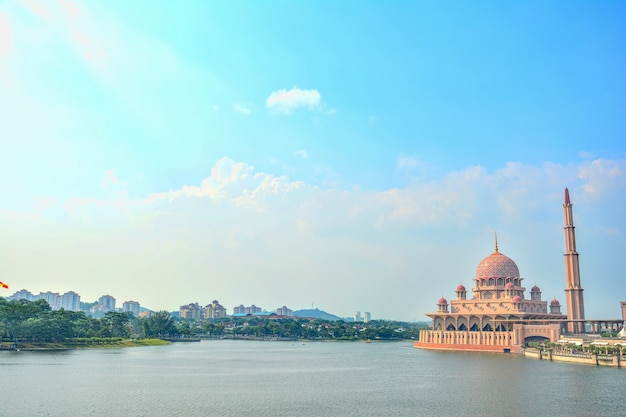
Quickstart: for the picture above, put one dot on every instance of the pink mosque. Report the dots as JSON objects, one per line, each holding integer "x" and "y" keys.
{"x": 498, "y": 317}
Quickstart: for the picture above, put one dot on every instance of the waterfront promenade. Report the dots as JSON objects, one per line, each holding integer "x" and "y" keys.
{"x": 596, "y": 359}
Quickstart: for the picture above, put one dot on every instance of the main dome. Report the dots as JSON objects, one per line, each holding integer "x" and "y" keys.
{"x": 497, "y": 265}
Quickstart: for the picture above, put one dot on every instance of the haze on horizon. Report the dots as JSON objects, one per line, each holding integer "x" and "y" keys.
{"x": 356, "y": 155}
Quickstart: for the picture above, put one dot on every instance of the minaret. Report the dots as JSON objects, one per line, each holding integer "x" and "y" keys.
{"x": 573, "y": 290}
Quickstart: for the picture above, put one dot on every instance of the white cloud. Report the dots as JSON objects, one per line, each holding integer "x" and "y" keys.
{"x": 286, "y": 101}
{"x": 233, "y": 183}
{"x": 302, "y": 154}
{"x": 600, "y": 174}
{"x": 242, "y": 108}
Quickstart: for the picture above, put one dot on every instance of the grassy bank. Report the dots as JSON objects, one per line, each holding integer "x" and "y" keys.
{"x": 88, "y": 343}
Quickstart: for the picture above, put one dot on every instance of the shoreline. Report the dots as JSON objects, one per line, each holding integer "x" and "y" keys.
{"x": 594, "y": 359}
{"x": 65, "y": 346}
{"x": 59, "y": 347}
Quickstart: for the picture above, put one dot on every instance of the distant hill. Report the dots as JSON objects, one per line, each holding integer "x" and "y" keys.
{"x": 317, "y": 314}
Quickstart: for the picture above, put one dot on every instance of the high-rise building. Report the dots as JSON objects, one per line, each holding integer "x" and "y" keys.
{"x": 253, "y": 309}
{"x": 214, "y": 310}
{"x": 22, "y": 295}
{"x": 357, "y": 316}
{"x": 130, "y": 307}
{"x": 70, "y": 301}
{"x": 108, "y": 302}
{"x": 52, "y": 298}
{"x": 191, "y": 311}
{"x": 573, "y": 289}
{"x": 367, "y": 316}
{"x": 284, "y": 311}
{"x": 247, "y": 310}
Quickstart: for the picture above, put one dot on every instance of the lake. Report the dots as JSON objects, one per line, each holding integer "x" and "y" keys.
{"x": 247, "y": 378}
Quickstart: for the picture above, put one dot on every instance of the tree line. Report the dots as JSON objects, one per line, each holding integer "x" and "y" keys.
{"x": 302, "y": 328}
{"x": 23, "y": 321}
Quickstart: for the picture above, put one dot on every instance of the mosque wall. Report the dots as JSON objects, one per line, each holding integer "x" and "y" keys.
{"x": 466, "y": 340}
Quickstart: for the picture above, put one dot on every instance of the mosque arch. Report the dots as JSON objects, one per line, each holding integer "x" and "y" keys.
{"x": 500, "y": 282}
{"x": 450, "y": 327}
{"x": 462, "y": 323}
{"x": 474, "y": 324}
{"x": 491, "y": 281}
{"x": 535, "y": 339}
{"x": 487, "y": 328}
{"x": 449, "y": 321}
{"x": 438, "y": 323}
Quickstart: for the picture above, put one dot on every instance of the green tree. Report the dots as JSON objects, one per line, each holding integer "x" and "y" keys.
{"x": 159, "y": 324}
{"x": 114, "y": 324}
{"x": 14, "y": 313}
{"x": 184, "y": 328}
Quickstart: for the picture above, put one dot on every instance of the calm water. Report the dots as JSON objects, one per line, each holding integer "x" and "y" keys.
{"x": 243, "y": 378}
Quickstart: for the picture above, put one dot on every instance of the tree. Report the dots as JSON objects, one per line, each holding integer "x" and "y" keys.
{"x": 159, "y": 324}
{"x": 115, "y": 324}
{"x": 14, "y": 313}
{"x": 184, "y": 328}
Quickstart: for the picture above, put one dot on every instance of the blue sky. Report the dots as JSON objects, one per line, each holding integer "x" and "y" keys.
{"x": 351, "y": 155}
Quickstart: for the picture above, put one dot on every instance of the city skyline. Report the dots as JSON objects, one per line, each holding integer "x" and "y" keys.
{"x": 341, "y": 155}
{"x": 71, "y": 300}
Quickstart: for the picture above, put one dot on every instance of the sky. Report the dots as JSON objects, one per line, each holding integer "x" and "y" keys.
{"x": 347, "y": 156}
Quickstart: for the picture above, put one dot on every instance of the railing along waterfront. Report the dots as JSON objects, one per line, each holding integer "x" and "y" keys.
{"x": 579, "y": 358}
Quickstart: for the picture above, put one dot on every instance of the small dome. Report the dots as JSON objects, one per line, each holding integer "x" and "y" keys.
{"x": 535, "y": 289}
{"x": 460, "y": 288}
{"x": 517, "y": 299}
{"x": 509, "y": 286}
{"x": 555, "y": 302}
{"x": 497, "y": 265}
{"x": 442, "y": 301}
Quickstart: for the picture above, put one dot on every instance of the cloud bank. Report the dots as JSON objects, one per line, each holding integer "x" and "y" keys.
{"x": 244, "y": 236}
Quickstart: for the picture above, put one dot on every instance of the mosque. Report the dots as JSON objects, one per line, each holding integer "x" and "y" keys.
{"x": 498, "y": 317}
